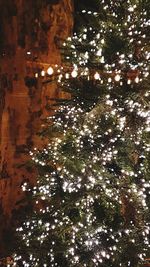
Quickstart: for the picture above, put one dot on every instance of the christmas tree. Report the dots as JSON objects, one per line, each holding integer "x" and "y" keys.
{"x": 92, "y": 194}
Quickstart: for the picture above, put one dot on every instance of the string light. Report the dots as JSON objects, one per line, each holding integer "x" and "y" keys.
{"x": 137, "y": 79}
{"x": 117, "y": 78}
{"x": 50, "y": 71}
{"x": 96, "y": 189}
{"x": 42, "y": 73}
{"x": 74, "y": 73}
{"x": 96, "y": 76}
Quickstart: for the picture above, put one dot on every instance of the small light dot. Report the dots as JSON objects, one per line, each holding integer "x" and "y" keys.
{"x": 42, "y": 73}
{"x": 137, "y": 79}
{"x": 96, "y": 76}
{"x": 117, "y": 78}
{"x": 74, "y": 74}
{"x": 128, "y": 81}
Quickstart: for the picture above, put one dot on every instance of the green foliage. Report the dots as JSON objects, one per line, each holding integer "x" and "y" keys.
{"x": 92, "y": 194}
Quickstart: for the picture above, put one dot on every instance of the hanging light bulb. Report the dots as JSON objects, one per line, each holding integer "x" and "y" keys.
{"x": 74, "y": 73}
{"x": 42, "y": 73}
{"x": 96, "y": 76}
{"x": 109, "y": 79}
{"x": 50, "y": 71}
{"x": 117, "y": 78}
{"x": 128, "y": 81}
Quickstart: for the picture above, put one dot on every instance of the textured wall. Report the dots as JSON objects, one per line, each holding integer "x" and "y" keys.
{"x": 38, "y": 29}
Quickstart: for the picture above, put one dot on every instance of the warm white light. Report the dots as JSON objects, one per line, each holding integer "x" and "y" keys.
{"x": 74, "y": 73}
{"x": 146, "y": 74}
{"x": 128, "y": 81}
{"x": 137, "y": 79}
{"x": 102, "y": 60}
{"x": 50, "y": 71}
{"x": 42, "y": 73}
{"x": 99, "y": 52}
{"x": 96, "y": 76}
{"x": 67, "y": 75}
{"x": 131, "y": 9}
{"x": 117, "y": 78}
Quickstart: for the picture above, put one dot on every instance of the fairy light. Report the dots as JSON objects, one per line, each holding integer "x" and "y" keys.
{"x": 99, "y": 52}
{"x": 96, "y": 76}
{"x": 74, "y": 73}
{"x": 128, "y": 81}
{"x": 50, "y": 71}
{"x": 137, "y": 79}
{"x": 117, "y": 78}
{"x": 100, "y": 161}
{"x": 42, "y": 73}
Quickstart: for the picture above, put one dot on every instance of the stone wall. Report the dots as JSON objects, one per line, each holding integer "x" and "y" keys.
{"x": 31, "y": 35}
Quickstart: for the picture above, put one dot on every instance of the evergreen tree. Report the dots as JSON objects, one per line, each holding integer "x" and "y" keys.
{"x": 92, "y": 194}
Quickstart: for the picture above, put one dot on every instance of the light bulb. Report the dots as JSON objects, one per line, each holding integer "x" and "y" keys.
{"x": 102, "y": 41}
{"x": 50, "y": 71}
{"x": 99, "y": 52}
{"x": 42, "y": 73}
{"x": 67, "y": 75}
{"x": 117, "y": 78}
{"x": 131, "y": 9}
{"x": 102, "y": 60}
{"x": 137, "y": 79}
{"x": 96, "y": 76}
{"x": 74, "y": 73}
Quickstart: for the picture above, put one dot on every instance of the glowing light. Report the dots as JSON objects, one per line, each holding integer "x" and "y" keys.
{"x": 117, "y": 78}
{"x": 131, "y": 9}
{"x": 67, "y": 75}
{"x": 50, "y": 71}
{"x": 42, "y": 73}
{"x": 96, "y": 76}
{"x": 102, "y": 41}
{"x": 102, "y": 60}
{"x": 137, "y": 79}
{"x": 99, "y": 52}
{"x": 74, "y": 73}
{"x": 98, "y": 151}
